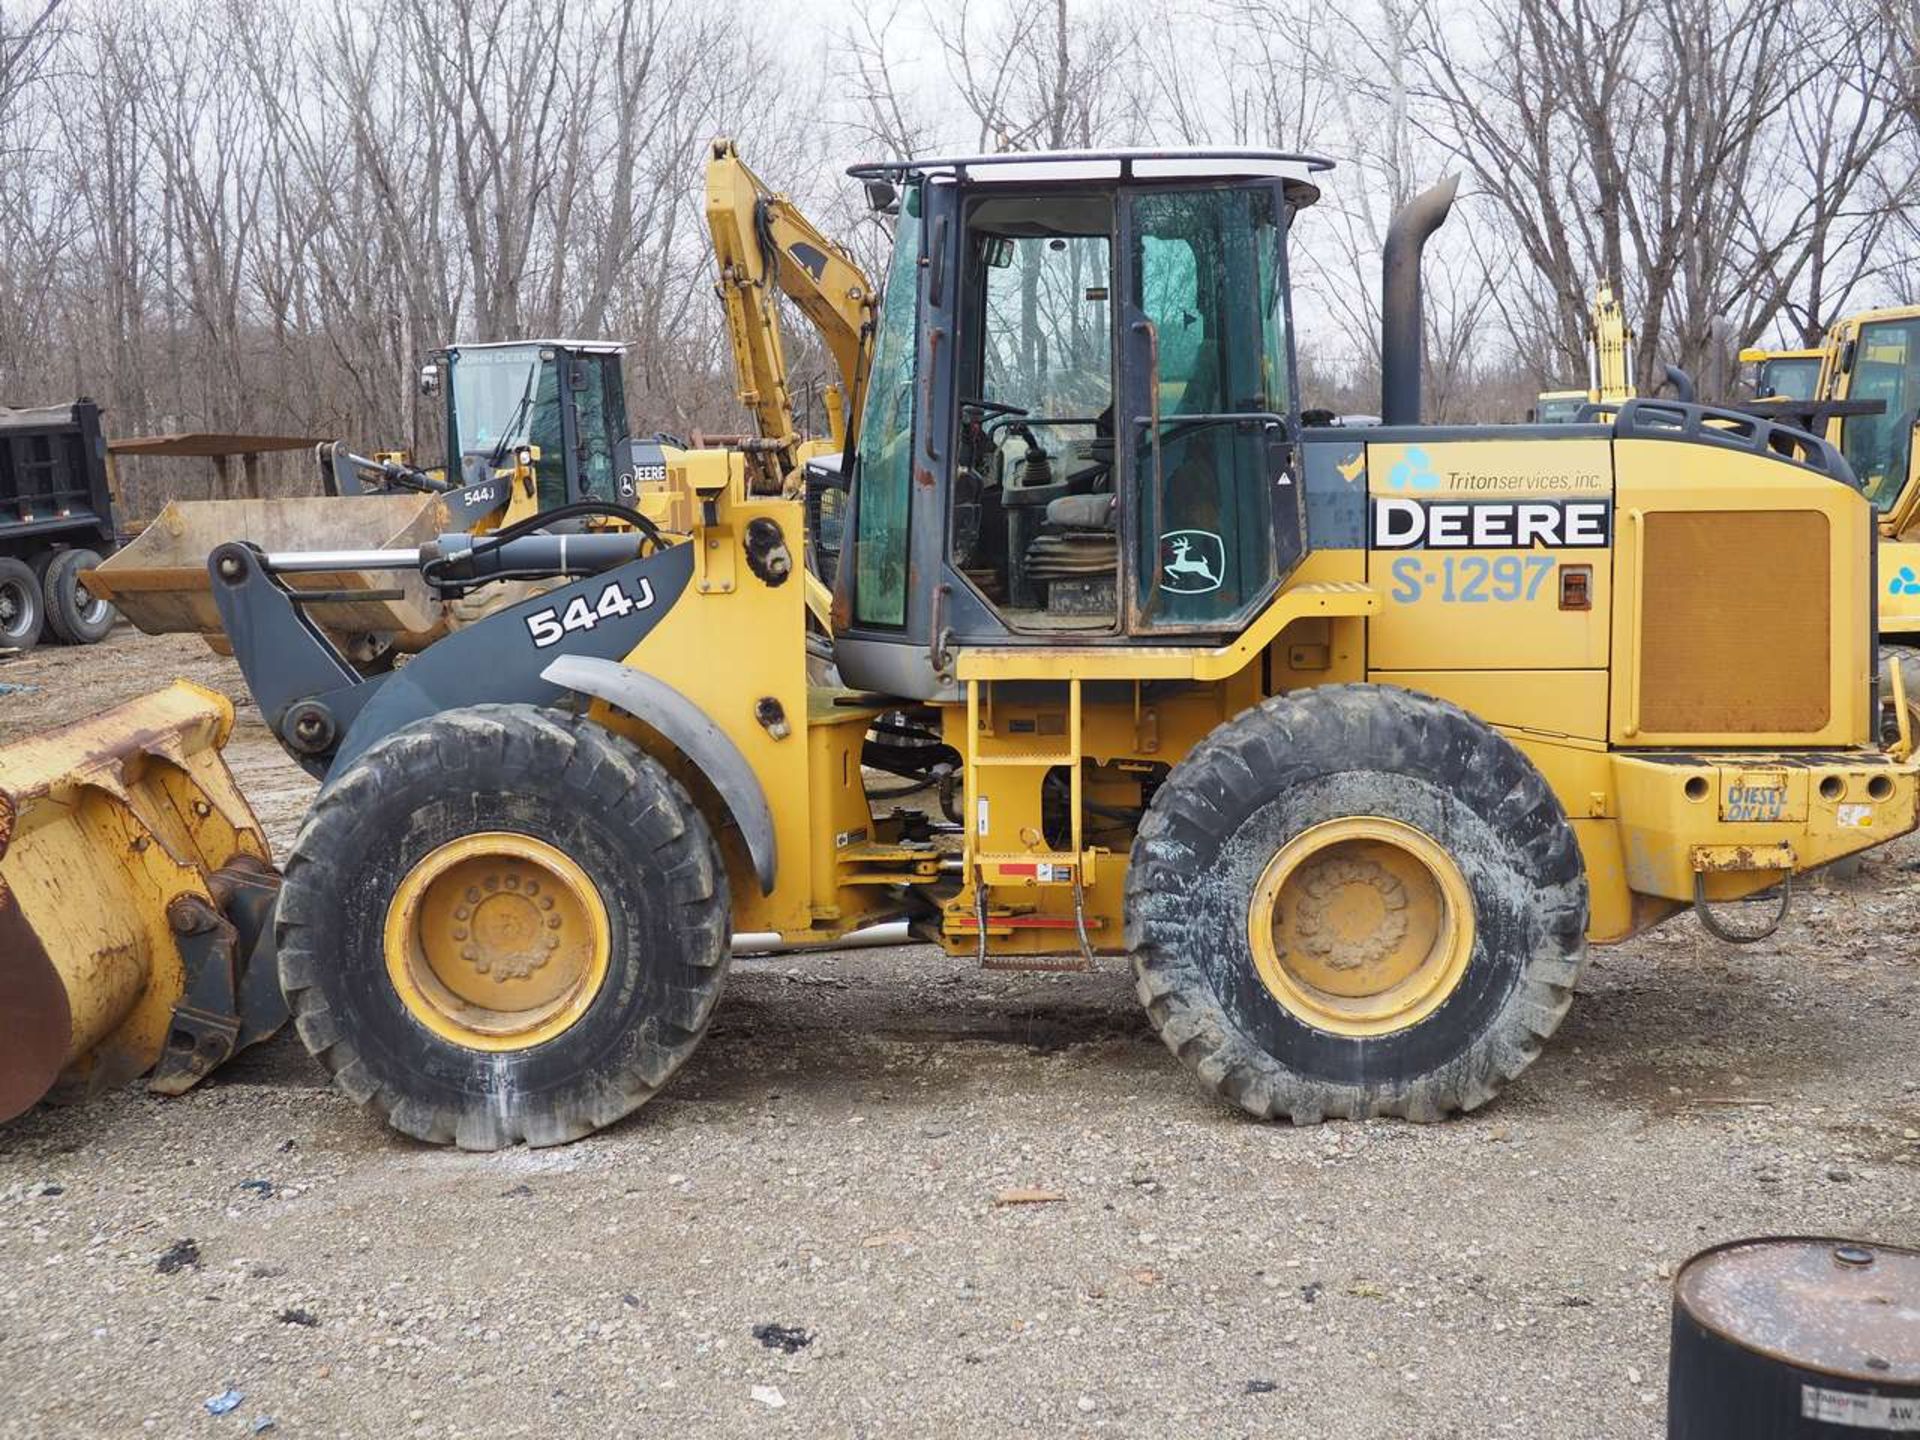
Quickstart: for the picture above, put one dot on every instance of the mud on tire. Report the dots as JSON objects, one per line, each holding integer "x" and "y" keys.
{"x": 615, "y": 813}
{"x": 1300, "y": 761}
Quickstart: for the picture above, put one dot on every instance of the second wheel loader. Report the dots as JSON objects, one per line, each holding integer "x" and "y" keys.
{"x": 1353, "y": 740}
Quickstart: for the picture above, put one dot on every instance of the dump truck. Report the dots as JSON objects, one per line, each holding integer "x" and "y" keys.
{"x": 56, "y": 521}
{"x": 1351, "y": 739}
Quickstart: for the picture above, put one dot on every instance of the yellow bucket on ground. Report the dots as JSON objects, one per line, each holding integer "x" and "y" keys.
{"x": 134, "y": 881}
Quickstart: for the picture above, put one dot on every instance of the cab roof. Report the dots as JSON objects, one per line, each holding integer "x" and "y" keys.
{"x": 589, "y": 347}
{"x": 1130, "y": 163}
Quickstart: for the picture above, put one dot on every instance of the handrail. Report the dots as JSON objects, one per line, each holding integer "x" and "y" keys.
{"x": 1152, "y": 420}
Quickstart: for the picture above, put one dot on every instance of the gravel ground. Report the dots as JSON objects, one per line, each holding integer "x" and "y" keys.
{"x": 831, "y": 1165}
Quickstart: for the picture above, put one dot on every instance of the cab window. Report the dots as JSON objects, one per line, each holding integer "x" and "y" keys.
{"x": 883, "y": 475}
{"x": 1879, "y": 448}
{"x": 1032, "y": 524}
{"x": 1212, "y": 450}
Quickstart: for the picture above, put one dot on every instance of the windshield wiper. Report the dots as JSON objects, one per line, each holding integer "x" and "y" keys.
{"x": 513, "y": 422}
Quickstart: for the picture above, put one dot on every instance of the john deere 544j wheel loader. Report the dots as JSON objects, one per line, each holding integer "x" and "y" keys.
{"x": 1353, "y": 740}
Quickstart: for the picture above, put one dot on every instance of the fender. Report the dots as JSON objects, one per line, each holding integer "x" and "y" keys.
{"x": 693, "y": 733}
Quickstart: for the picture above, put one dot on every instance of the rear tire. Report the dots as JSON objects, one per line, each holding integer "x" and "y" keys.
{"x": 23, "y": 607}
{"x": 372, "y": 1007}
{"x": 74, "y": 614}
{"x": 1356, "y": 901}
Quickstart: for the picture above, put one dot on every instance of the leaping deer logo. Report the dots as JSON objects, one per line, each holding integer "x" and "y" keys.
{"x": 1195, "y": 566}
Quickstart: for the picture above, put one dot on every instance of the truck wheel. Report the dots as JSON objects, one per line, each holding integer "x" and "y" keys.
{"x": 502, "y": 925}
{"x": 23, "y": 609}
{"x": 74, "y": 613}
{"x": 1356, "y": 901}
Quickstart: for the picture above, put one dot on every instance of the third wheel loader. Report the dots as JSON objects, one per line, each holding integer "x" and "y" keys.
{"x": 1353, "y": 740}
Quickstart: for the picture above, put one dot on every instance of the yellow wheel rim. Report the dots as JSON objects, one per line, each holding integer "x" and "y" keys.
{"x": 497, "y": 941}
{"x": 1361, "y": 926}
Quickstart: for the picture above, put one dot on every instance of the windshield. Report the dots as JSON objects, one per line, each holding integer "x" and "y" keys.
{"x": 1886, "y": 367}
{"x": 1788, "y": 377}
{"x": 1560, "y": 409}
{"x": 1047, "y": 333}
{"x": 496, "y": 393}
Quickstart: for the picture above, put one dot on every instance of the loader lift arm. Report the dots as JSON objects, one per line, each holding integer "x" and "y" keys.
{"x": 761, "y": 243}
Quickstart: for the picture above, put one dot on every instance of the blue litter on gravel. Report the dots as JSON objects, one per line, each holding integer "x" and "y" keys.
{"x": 220, "y": 1404}
{"x": 6, "y": 689}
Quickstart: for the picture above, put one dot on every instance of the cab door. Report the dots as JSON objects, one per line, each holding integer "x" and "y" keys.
{"x": 1212, "y": 517}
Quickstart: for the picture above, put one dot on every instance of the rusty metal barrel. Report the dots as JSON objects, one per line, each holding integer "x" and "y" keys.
{"x": 1793, "y": 1338}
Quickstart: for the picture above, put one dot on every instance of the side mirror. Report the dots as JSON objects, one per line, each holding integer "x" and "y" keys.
{"x": 882, "y": 196}
{"x": 429, "y": 379}
{"x": 997, "y": 251}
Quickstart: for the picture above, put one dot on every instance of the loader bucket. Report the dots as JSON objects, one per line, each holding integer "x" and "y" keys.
{"x": 134, "y": 885}
{"x": 160, "y": 580}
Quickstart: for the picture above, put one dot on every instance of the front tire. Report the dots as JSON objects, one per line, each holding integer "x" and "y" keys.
{"x": 1356, "y": 901}
{"x": 502, "y": 925}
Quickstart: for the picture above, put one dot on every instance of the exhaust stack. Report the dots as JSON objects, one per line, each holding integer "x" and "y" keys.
{"x": 1400, "y": 331}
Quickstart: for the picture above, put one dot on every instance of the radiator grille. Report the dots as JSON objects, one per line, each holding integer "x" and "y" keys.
{"x": 1734, "y": 622}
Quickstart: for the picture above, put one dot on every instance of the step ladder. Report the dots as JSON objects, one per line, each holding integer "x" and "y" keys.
{"x": 987, "y": 868}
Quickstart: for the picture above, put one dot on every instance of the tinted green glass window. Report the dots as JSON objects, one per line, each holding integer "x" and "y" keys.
{"x": 883, "y": 479}
{"x": 1886, "y": 368}
{"x": 1207, "y": 276}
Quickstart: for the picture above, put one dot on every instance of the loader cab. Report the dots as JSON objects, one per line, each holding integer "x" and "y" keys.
{"x": 1877, "y": 357}
{"x": 566, "y": 398}
{"x": 1082, "y": 423}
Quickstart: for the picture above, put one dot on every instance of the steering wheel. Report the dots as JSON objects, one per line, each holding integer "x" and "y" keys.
{"x": 989, "y": 408}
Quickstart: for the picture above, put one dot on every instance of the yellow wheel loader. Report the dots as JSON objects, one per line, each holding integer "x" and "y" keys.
{"x": 1353, "y": 740}
{"x": 531, "y": 426}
